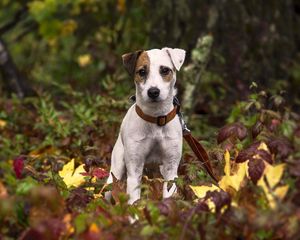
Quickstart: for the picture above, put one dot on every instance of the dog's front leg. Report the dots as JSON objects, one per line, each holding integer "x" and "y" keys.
{"x": 170, "y": 166}
{"x": 134, "y": 165}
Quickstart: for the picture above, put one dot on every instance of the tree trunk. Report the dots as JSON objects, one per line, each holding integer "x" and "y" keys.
{"x": 14, "y": 82}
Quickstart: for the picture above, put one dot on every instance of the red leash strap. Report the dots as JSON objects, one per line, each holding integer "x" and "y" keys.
{"x": 200, "y": 152}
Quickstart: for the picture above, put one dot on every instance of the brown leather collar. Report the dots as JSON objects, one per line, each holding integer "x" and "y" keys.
{"x": 160, "y": 120}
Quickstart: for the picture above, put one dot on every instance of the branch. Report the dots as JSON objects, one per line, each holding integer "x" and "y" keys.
{"x": 17, "y": 18}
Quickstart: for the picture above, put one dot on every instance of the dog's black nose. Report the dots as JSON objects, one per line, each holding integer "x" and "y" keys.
{"x": 153, "y": 92}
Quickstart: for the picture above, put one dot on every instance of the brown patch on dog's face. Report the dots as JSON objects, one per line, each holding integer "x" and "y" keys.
{"x": 130, "y": 60}
{"x": 142, "y": 68}
{"x": 166, "y": 73}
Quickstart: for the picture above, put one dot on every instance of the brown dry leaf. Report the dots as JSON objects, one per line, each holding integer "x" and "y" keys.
{"x": 118, "y": 186}
{"x": 46, "y": 150}
{"x": 69, "y": 229}
{"x": 155, "y": 186}
{"x": 3, "y": 191}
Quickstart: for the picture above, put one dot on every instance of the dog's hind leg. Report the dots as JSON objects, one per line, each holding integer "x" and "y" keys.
{"x": 117, "y": 164}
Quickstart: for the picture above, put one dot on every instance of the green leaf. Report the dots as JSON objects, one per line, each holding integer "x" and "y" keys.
{"x": 26, "y": 185}
{"x": 149, "y": 230}
{"x": 80, "y": 222}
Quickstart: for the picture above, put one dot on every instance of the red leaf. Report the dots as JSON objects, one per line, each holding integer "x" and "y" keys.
{"x": 49, "y": 229}
{"x": 252, "y": 152}
{"x": 220, "y": 199}
{"x": 247, "y": 153}
{"x": 256, "y": 169}
{"x": 236, "y": 130}
{"x": 100, "y": 173}
{"x": 18, "y": 165}
{"x": 297, "y": 131}
{"x": 273, "y": 125}
{"x": 78, "y": 199}
{"x": 97, "y": 172}
{"x": 280, "y": 146}
{"x": 264, "y": 155}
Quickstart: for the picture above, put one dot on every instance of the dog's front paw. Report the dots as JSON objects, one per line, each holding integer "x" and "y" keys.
{"x": 169, "y": 193}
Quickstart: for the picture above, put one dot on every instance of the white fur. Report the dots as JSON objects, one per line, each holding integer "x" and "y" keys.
{"x": 139, "y": 141}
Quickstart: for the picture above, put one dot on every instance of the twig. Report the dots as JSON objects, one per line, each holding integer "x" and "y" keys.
{"x": 17, "y": 18}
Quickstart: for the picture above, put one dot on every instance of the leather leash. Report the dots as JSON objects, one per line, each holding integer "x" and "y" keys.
{"x": 196, "y": 147}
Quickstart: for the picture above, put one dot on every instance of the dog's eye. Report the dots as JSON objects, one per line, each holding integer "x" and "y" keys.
{"x": 142, "y": 72}
{"x": 165, "y": 70}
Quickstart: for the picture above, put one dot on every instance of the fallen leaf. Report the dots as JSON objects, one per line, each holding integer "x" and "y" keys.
{"x": 72, "y": 176}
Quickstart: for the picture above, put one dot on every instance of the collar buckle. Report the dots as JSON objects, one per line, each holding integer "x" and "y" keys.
{"x": 161, "y": 120}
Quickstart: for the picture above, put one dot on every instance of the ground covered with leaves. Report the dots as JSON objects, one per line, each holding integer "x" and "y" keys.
{"x": 55, "y": 157}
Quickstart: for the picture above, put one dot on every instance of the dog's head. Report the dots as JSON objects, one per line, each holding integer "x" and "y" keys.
{"x": 154, "y": 71}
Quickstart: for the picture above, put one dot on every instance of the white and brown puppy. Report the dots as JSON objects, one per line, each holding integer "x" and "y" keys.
{"x": 140, "y": 141}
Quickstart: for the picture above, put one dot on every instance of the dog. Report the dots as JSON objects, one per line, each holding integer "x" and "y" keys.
{"x": 141, "y": 141}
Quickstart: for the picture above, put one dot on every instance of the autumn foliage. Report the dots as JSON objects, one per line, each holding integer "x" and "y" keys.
{"x": 57, "y": 191}
{"x": 239, "y": 90}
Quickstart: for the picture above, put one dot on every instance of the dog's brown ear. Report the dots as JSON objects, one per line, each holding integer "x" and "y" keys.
{"x": 130, "y": 59}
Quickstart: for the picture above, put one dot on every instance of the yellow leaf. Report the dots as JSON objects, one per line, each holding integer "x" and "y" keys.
{"x": 281, "y": 191}
{"x": 70, "y": 176}
{"x": 273, "y": 176}
{"x": 226, "y": 183}
{"x": 200, "y": 191}
{"x": 46, "y": 150}
{"x": 263, "y": 146}
{"x": 69, "y": 26}
{"x": 121, "y": 6}
{"x": 69, "y": 229}
{"x": 227, "y": 163}
{"x": 84, "y": 60}
{"x": 2, "y": 123}
{"x": 94, "y": 228}
{"x": 232, "y": 181}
